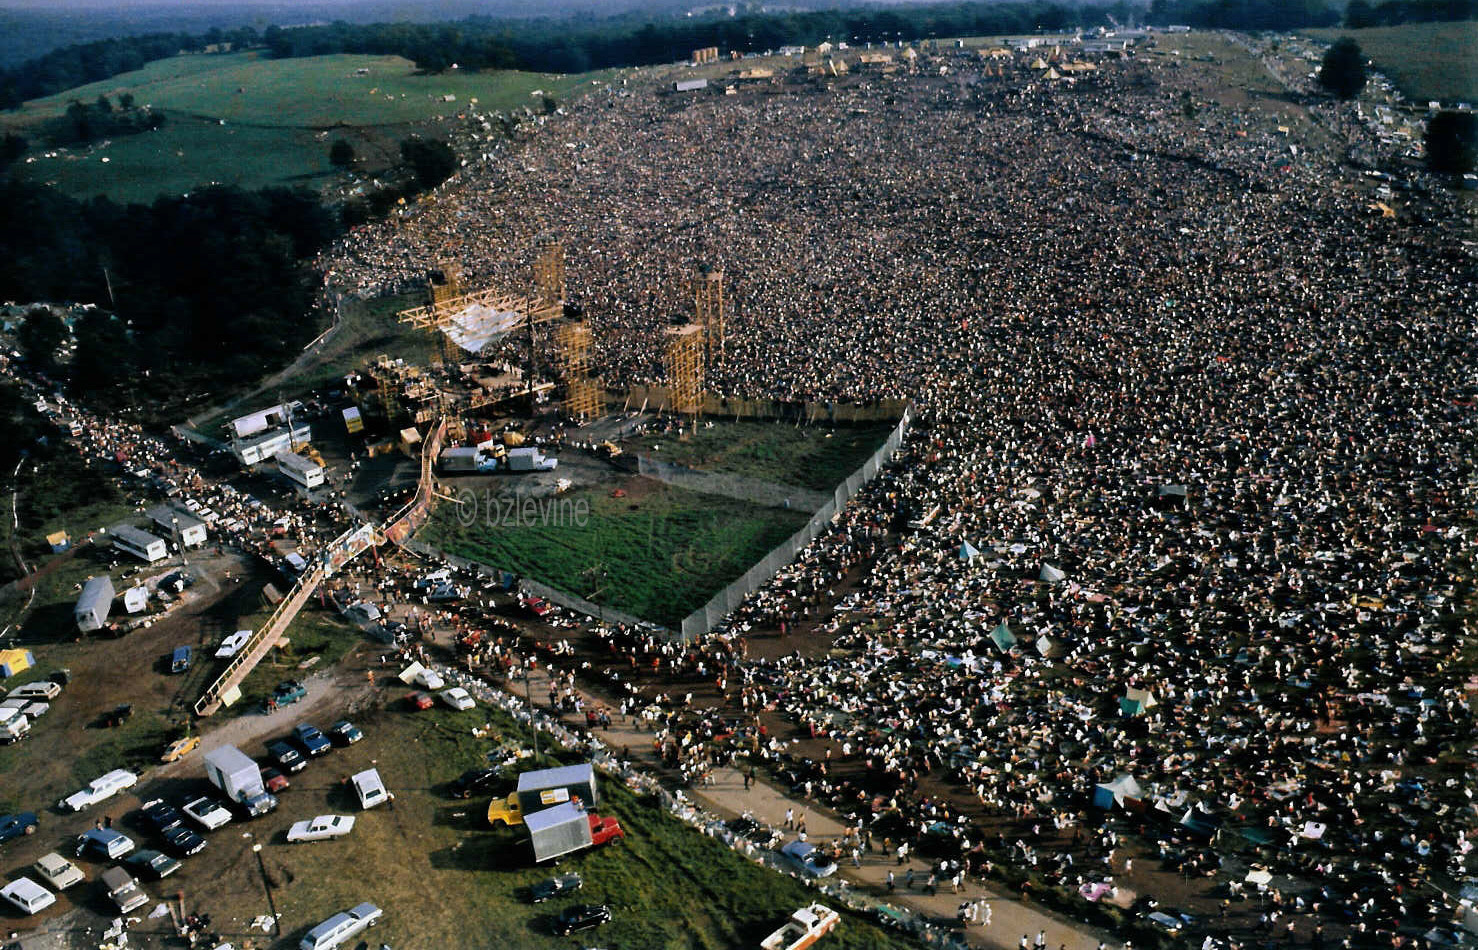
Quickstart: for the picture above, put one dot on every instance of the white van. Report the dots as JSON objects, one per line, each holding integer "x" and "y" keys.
{"x": 26, "y": 894}
{"x": 340, "y": 927}
{"x": 370, "y": 789}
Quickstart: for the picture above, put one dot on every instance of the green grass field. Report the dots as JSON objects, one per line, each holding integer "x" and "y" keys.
{"x": 813, "y": 457}
{"x": 241, "y": 119}
{"x": 314, "y": 92}
{"x": 665, "y": 551}
{"x": 1425, "y": 60}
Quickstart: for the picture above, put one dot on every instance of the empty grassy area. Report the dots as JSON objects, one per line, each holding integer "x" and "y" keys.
{"x": 316, "y": 91}
{"x": 1425, "y": 60}
{"x": 664, "y": 551}
{"x": 815, "y": 457}
{"x": 242, "y": 119}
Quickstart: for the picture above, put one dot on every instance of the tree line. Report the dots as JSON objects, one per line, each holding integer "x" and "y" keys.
{"x": 639, "y": 39}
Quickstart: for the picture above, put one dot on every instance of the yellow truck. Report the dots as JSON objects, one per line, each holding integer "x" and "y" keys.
{"x": 505, "y": 811}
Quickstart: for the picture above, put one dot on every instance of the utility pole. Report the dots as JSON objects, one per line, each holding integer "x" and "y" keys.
{"x": 267, "y": 886}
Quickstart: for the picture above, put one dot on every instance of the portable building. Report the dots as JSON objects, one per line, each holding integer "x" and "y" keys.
{"x": 92, "y": 608}
{"x": 300, "y": 470}
{"x": 141, "y": 544}
{"x": 169, "y": 518}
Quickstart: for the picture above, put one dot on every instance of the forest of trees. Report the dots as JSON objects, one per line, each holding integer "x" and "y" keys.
{"x": 204, "y": 292}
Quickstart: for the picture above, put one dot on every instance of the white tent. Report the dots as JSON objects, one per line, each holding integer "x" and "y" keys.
{"x": 968, "y": 552}
{"x": 1051, "y": 574}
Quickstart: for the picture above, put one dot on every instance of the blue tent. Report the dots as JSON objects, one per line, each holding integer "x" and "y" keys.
{"x": 968, "y": 551}
{"x": 1003, "y": 638}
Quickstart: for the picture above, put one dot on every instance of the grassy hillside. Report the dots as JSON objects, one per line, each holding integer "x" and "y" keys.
{"x": 1425, "y": 60}
{"x": 245, "y": 120}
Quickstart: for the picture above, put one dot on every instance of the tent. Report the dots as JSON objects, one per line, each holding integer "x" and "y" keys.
{"x": 968, "y": 552}
{"x": 1051, "y": 574}
{"x": 15, "y": 661}
{"x": 1003, "y": 638}
{"x": 1136, "y": 701}
{"x": 1044, "y": 645}
{"x": 1118, "y": 792}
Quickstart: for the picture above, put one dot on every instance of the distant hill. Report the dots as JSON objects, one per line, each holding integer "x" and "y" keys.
{"x": 241, "y": 119}
{"x": 1426, "y": 61}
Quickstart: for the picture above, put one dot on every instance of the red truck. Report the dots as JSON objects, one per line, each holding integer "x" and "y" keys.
{"x": 603, "y": 830}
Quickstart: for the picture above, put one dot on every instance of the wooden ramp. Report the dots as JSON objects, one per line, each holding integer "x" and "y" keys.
{"x": 226, "y": 688}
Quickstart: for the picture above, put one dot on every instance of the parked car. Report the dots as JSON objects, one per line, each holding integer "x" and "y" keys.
{"x": 286, "y": 756}
{"x": 101, "y": 788}
{"x": 183, "y": 842}
{"x": 124, "y": 890}
{"x": 581, "y": 917}
{"x": 810, "y": 859}
{"x": 310, "y": 740}
{"x": 321, "y": 828}
{"x": 274, "y": 780}
{"x": 27, "y": 895}
{"x": 179, "y": 660}
{"x": 180, "y": 748}
{"x": 103, "y": 844}
{"x": 555, "y": 887}
{"x": 13, "y": 826}
{"x": 232, "y": 644}
{"x": 288, "y": 692}
{"x": 344, "y": 732}
{"x": 341, "y": 926}
{"x": 457, "y": 698}
{"x": 58, "y": 871}
{"x": 46, "y": 690}
{"x": 152, "y": 864}
{"x": 160, "y": 816}
{"x": 208, "y": 813}
{"x": 430, "y": 679}
{"x": 476, "y": 782}
{"x": 419, "y": 700}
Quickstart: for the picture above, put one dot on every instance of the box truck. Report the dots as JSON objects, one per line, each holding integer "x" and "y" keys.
{"x": 239, "y": 779}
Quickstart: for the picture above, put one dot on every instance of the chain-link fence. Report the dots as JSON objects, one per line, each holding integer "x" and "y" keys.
{"x": 705, "y": 618}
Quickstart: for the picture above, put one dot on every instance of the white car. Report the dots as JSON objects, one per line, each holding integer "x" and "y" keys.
{"x": 321, "y": 828}
{"x": 208, "y": 813}
{"x": 457, "y": 698}
{"x": 430, "y": 679}
{"x": 103, "y": 787}
{"x": 231, "y": 644}
{"x": 58, "y": 871}
{"x": 42, "y": 689}
{"x": 26, "y": 894}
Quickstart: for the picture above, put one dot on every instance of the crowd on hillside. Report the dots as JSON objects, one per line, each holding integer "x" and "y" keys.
{"x": 1188, "y": 500}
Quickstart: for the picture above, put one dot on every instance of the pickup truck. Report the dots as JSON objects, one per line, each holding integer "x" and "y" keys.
{"x": 804, "y": 928}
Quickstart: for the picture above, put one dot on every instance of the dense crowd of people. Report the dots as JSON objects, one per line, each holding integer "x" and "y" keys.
{"x": 1188, "y": 500}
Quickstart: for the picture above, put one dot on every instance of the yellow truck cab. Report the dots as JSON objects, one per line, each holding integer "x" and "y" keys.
{"x": 505, "y": 810}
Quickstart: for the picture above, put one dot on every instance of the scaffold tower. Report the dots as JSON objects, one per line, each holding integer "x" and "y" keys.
{"x": 708, "y": 307}
{"x": 684, "y": 365}
{"x": 549, "y": 271}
